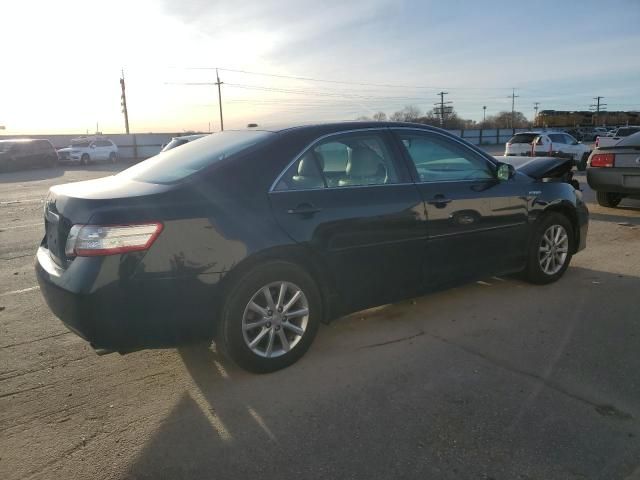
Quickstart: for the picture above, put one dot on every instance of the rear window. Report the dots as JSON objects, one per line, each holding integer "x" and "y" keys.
{"x": 178, "y": 163}
{"x": 630, "y": 141}
{"x": 523, "y": 138}
{"x": 623, "y": 132}
{"x": 175, "y": 142}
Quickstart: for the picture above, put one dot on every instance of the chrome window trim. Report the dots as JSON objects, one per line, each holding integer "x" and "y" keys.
{"x": 310, "y": 145}
{"x": 493, "y": 162}
{"x": 341, "y": 188}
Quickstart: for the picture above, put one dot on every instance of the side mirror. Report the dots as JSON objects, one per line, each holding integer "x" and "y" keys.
{"x": 505, "y": 171}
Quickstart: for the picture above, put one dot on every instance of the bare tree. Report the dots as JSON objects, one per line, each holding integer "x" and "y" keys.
{"x": 503, "y": 120}
{"x": 379, "y": 116}
{"x": 410, "y": 113}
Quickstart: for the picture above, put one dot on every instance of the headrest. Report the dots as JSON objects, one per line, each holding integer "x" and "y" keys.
{"x": 364, "y": 162}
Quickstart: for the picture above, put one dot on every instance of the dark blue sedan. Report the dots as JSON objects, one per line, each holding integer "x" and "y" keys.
{"x": 252, "y": 238}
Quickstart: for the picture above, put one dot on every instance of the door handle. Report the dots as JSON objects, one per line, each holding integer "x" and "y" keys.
{"x": 304, "y": 209}
{"x": 439, "y": 201}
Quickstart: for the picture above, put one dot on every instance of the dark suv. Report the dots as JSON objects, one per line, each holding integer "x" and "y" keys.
{"x": 19, "y": 154}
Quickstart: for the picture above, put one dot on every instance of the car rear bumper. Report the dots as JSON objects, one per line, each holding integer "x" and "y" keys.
{"x": 615, "y": 180}
{"x": 126, "y": 315}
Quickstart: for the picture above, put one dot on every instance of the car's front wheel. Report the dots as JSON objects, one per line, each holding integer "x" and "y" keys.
{"x": 270, "y": 317}
{"x": 550, "y": 249}
{"x": 608, "y": 199}
{"x": 84, "y": 159}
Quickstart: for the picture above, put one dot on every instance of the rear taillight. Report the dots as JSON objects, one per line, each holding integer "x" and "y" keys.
{"x": 96, "y": 240}
{"x": 603, "y": 160}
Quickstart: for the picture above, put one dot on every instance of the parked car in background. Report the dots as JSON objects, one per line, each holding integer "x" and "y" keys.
{"x": 177, "y": 141}
{"x": 85, "y": 150}
{"x": 255, "y": 237}
{"x": 26, "y": 153}
{"x": 619, "y": 134}
{"x": 549, "y": 144}
{"x": 614, "y": 171}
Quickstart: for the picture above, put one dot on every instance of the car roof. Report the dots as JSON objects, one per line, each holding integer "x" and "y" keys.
{"x": 330, "y": 127}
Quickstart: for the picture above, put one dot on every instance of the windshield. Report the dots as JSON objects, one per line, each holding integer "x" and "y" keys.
{"x": 80, "y": 144}
{"x": 178, "y": 163}
{"x": 6, "y": 146}
{"x": 523, "y": 138}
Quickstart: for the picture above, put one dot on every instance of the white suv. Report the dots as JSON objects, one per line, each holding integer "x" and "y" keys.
{"x": 550, "y": 144}
{"x": 89, "y": 149}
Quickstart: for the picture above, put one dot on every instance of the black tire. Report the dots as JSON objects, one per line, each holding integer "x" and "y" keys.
{"x": 229, "y": 336}
{"x": 534, "y": 271}
{"x": 608, "y": 199}
{"x": 582, "y": 164}
{"x": 113, "y": 158}
{"x": 85, "y": 159}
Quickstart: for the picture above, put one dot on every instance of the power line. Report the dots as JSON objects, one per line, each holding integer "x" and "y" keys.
{"x": 341, "y": 82}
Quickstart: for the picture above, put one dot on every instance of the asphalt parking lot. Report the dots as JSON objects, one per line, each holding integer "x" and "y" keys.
{"x": 494, "y": 380}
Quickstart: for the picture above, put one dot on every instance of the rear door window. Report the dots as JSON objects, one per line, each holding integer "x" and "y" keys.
{"x": 557, "y": 138}
{"x": 523, "y": 138}
{"x": 349, "y": 160}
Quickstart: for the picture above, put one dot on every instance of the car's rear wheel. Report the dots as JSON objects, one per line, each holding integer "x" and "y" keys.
{"x": 608, "y": 199}
{"x": 270, "y": 317}
{"x": 84, "y": 159}
{"x": 550, "y": 249}
{"x": 113, "y": 158}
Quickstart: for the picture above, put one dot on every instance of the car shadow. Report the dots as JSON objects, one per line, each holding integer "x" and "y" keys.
{"x": 232, "y": 424}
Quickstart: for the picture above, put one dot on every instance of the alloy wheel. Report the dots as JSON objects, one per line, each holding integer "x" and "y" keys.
{"x": 553, "y": 250}
{"x": 275, "y": 319}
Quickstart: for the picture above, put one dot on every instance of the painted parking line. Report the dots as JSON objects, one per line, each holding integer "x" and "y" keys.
{"x": 22, "y": 290}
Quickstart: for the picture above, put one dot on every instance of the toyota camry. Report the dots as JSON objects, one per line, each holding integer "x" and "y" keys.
{"x": 252, "y": 238}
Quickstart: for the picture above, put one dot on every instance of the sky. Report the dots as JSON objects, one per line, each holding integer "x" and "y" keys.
{"x": 62, "y": 60}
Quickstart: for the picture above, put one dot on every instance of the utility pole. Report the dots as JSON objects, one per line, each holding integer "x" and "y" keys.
{"x": 219, "y": 83}
{"x": 123, "y": 103}
{"x": 513, "y": 109}
{"x": 484, "y": 114}
{"x": 440, "y": 108}
{"x": 535, "y": 116}
{"x": 597, "y": 106}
